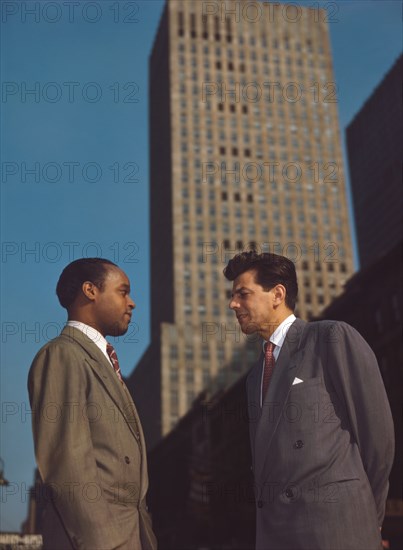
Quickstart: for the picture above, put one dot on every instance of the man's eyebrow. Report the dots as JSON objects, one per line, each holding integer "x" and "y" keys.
{"x": 125, "y": 286}
{"x": 240, "y": 289}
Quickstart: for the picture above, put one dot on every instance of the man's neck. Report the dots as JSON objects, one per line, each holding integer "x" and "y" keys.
{"x": 270, "y": 328}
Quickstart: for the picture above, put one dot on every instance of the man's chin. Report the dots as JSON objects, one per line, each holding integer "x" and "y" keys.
{"x": 118, "y": 331}
{"x": 248, "y": 328}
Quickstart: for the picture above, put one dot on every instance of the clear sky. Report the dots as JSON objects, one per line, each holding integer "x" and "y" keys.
{"x": 74, "y": 160}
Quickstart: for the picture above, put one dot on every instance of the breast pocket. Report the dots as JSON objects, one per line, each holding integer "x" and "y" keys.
{"x": 301, "y": 410}
{"x": 305, "y": 384}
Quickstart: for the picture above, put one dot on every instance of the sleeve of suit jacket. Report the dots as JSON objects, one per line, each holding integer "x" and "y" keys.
{"x": 357, "y": 379}
{"x": 65, "y": 458}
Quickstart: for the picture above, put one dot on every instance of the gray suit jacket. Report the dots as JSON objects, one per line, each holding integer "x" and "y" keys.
{"x": 322, "y": 449}
{"x": 89, "y": 448}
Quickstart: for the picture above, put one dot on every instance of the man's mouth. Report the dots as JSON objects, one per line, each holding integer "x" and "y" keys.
{"x": 242, "y": 316}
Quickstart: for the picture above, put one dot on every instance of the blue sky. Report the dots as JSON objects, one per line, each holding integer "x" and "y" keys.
{"x": 74, "y": 160}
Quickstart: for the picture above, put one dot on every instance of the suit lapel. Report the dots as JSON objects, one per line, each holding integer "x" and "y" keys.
{"x": 105, "y": 373}
{"x": 253, "y": 394}
{"x": 286, "y": 369}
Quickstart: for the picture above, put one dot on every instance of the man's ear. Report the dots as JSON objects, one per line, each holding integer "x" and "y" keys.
{"x": 89, "y": 290}
{"x": 279, "y": 293}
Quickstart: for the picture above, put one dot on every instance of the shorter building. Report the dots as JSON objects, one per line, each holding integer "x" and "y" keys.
{"x": 15, "y": 541}
{"x": 36, "y": 507}
{"x": 201, "y": 485}
{"x": 372, "y": 304}
{"x": 374, "y": 144}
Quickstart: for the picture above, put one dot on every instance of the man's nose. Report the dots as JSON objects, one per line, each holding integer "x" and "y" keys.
{"x": 233, "y": 304}
{"x": 132, "y": 305}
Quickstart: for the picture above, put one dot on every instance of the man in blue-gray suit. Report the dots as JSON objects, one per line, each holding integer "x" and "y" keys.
{"x": 320, "y": 424}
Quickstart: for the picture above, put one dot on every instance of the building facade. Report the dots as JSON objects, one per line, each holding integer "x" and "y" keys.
{"x": 245, "y": 152}
{"x": 378, "y": 318}
{"x": 374, "y": 143}
{"x": 207, "y": 500}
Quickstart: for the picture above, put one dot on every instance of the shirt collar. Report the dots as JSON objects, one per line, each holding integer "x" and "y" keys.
{"x": 278, "y": 336}
{"x": 91, "y": 332}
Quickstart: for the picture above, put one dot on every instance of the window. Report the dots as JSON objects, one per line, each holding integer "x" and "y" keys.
{"x": 174, "y": 375}
{"x": 189, "y": 375}
{"x": 174, "y": 400}
{"x": 190, "y": 396}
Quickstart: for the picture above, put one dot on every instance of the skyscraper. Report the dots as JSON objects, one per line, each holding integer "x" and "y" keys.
{"x": 245, "y": 152}
{"x": 374, "y": 143}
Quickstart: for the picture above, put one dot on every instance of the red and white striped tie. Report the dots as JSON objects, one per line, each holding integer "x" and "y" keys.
{"x": 110, "y": 350}
{"x": 268, "y": 367}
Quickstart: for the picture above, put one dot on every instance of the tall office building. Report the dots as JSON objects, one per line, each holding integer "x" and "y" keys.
{"x": 245, "y": 151}
{"x": 374, "y": 143}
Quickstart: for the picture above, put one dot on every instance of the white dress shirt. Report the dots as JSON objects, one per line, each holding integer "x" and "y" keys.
{"x": 93, "y": 335}
{"x": 277, "y": 338}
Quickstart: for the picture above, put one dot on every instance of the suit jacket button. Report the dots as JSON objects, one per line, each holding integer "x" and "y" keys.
{"x": 289, "y": 493}
{"x": 298, "y": 444}
{"x": 127, "y": 460}
{"x": 260, "y": 503}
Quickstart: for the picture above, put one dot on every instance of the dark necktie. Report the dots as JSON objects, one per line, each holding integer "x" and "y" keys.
{"x": 268, "y": 367}
{"x": 110, "y": 350}
{"x": 130, "y": 411}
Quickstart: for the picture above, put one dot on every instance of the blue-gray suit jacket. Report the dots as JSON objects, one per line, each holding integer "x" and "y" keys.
{"x": 322, "y": 448}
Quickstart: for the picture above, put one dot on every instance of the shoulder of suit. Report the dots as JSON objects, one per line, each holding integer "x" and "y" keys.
{"x": 330, "y": 330}
{"x": 62, "y": 341}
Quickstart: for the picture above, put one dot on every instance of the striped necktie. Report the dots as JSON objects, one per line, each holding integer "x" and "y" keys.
{"x": 110, "y": 350}
{"x": 268, "y": 367}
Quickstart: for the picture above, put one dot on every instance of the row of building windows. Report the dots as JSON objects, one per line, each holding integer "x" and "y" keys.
{"x": 274, "y": 125}
{"x": 259, "y": 118}
{"x": 190, "y": 396}
{"x": 230, "y": 66}
{"x": 278, "y": 152}
{"x": 206, "y": 51}
{"x": 288, "y": 216}
{"x": 224, "y": 311}
{"x": 330, "y": 249}
{"x": 219, "y": 33}
{"x": 265, "y": 104}
{"x": 261, "y": 185}
{"x": 330, "y": 260}
{"x": 263, "y": 116}
{"x": 309, "y": 185}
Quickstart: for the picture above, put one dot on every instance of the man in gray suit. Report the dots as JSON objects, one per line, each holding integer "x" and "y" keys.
{"x": 320, "y": 424}
{"x": 89, "y": 444}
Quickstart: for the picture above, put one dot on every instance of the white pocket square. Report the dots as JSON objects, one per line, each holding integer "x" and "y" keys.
{"x": 297, "y": 381}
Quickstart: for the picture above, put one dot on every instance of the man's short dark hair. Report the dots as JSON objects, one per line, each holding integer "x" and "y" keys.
{"x": 75, "y": 274}
{"x": 270, "y": 269}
